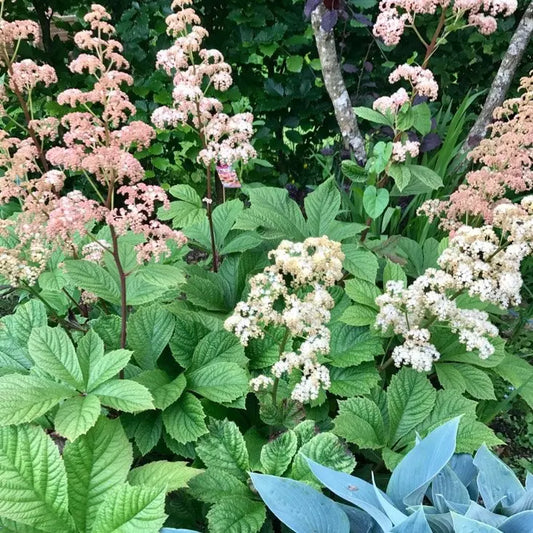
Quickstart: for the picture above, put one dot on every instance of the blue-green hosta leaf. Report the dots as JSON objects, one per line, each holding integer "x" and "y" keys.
{"x": 411, "y": 478}
{"x": 33, "y": 482}
{"x": 299, "y": 506}
{"x": 447, "y": 487}
{"x": 164, "y": 475}
{"x": 352, "y": 489}
{"x": 326, "y": 449}
{"x": 77, "y": 415}
{"x": 277, "y": 454}
{"x": 219, "y": 382}
{"x": 224, "y": 448}
{"x": 218, "y": 346}
{"x": 478, "y": 512}
{"x": 124, "y": 395}
{"x": 149, "y": 331}
{"x": 410, "y": 397}
{"x": 93, "y": 278}
{"x": 185, "y": 419}
{"x": 461, "y": 524}
{"x": 236, "y": 515}
{"x": 25, "y": 398}
{"x": 360, "y": 421}
{"x": 130, "y": 510}
{"x": 52, "y": 351}
{"x": 416, "y": 523}
{"x": 321, "y": 207}
{"x": 519, "y": 523}
{"x": 96, "y": 463}
{"x": 213, "y": 485}
{"x": 497, "y": 483}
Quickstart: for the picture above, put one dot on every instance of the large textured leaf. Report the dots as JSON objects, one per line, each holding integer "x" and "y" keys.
{"x": 410, "y": 397}
{"x": 96, "y": 463}
{"x": 277, "y": 454}
{"x": 519, "y": 373}
{"x": 299, "y": 506}
{"x": 185, "y": 419}
{"x": 149, "y": 331}
{"x": 416, "y": 523}
{"x": 25, "y": 398}
{"x": 164, "y": 390}
{"x": 353, "y": 380}
{"x": 33, "y": 483}
{"x": 360, "y": 421}
{"x": 478, "y": 383}
{"x": 130, "y": 509}
{"x": 76, "y": 416}
{"x": 360, "y": 262}
{"x": 103, "y": 367}
{"x": 519, "y": 523}
{"x": 326, "y": 449}
{"x": 124, "y": 395}
{"x": 219, "y": 382}
{"x": 213, "y": 485}
{"x": 351, "y": 346}
{"x": 236, "y": 515}
{"x": 218, "y": 346}
{"x": 224, "y": 448}
{"x": 321, "y": 207}
{"x": 53, "y": 352}
{"x": 93, "y": 278}
{"x": 411, "y": 478}
{"x": 145, "y": 428}
{"x": 187, "y": 335}
{"x": 164, "y": 475}
{"x": 90, "y": 348}
{"x": 461, "y": 524}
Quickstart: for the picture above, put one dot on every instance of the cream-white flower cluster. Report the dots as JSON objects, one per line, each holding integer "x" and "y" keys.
{"x": 296, "y": 284}
{"x": 479, "y": 262}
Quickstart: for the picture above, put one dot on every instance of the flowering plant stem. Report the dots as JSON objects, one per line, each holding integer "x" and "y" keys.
{"x": 276, "y": 380}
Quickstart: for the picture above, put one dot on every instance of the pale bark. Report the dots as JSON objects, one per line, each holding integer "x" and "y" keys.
{"x": 334, "y": 82}
{"x": 502, "y": 81}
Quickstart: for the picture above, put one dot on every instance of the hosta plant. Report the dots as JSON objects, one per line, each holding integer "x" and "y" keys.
{"x": 431, "y": 490}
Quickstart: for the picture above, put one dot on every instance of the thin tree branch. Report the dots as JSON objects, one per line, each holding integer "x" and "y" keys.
{"x": 502, "y": 81}
{"x": 334, "y": 82}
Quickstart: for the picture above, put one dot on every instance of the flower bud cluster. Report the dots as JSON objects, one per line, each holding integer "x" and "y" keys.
{"x": 292, "y": 293}
{"x": 480, "y": 262}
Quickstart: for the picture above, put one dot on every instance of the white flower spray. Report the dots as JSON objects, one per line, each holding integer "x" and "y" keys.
{"x": 293, "y": 293}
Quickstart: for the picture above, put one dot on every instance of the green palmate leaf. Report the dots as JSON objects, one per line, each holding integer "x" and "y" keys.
{"x": 351, "y": 346}
{"x": 93, "y": 278}
{"x": 321, "y": 207}
{"x": 9, "y": 526}
{"x": 326, "y": 449}
{"x": 166, "y": 395}
{"x": 106, "y": 366}
{"x": 373, "y": 116}
{"x": 149, "y": 331}
{"x": 224, "y": 448}
{"x": 187, "y": 212}
{"x": 295, "y": 63}
{"x": 363, "y": 292}
{"x": 472, "y": 434}
{"x": 145, "y": 429}
{"x": 25, "y": 398}
{"x": 519, "y": 373}
{"x": 421, "y": 118}
{"x": 353, "y": 380}
{"x": 274, "y": 214}
{"x": 452, "y": 350}
{"x": 213, "y": 485}
{"x": 360, "y": 421}
{"x": 131, "y": 509}
{"x": 353, "y": 171}
{"x": 477, "y": 382}
{"x": 108, "y": 329}
{"x": 90, "y": 348}
{"x": 187, "y": 335}
{"x": 185, "y": 419}
{"x": 77, "y": 415}
{"x": 375, "y": 201}
{"x": 219, "y": 382}
{"x": 95, "y": 463}
{"x": 359, "y": 315}
{"x": 53, "y": 352}
{"x": 124, "y": 395}
{"x": 236, "y": 515}
{"x": 410, "y": 397}
{"x": 402, "y": 176}
{"x": 450, "y": 377}
{"x": 393, "y": 271}
{"x": 362, "y": 263}
{"x": 139, "y": 292}
{"x": 33, "y": 483}
{"x": 426, "y": 176}
{"x": 277, "y": 454}
{"x": 218, "y": 346}
{"x": 264, "y": 351}
{"x": 163, "y": 475}
{"x": 205, "y": 289}
{"x": 167, "y": 277}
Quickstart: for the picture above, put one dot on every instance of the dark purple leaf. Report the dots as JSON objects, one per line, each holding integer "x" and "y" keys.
{"x": 310, "y": 6}
{"x": 328, "y": 150}
{"x": 363, "y": 20}
{"x": 412, "y": 136}
{"x": 430, "y": 142}
{"x": 329, "y": 20}
{"x": 345, "y": 154}
{"x": 433, "y": 123}
{"x": 349, "y": 68}
{"x": 368, "y": 66}
{"x": 387, "y": 131}
{"x": 419, "y": 99}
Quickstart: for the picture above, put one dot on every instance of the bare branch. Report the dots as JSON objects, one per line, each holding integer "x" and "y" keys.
{"x": 502, "y": 81}
{"x": 331, "y": 71}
